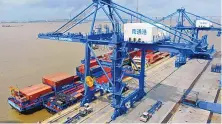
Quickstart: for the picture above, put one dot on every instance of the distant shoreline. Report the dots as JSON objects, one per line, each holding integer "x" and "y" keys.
{"x": 65, "y": 20}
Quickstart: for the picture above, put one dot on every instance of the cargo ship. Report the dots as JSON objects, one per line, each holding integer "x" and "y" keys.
{"x": 31, "y": 98}
{"x": 61, "y": 90}
{"x": 55, "y": 93}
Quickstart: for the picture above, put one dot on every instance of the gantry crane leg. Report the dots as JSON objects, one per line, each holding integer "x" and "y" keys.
{"x": 89, "y": 94}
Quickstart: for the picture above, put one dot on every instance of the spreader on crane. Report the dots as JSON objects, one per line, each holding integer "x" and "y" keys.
{"x": 121, "y": 47}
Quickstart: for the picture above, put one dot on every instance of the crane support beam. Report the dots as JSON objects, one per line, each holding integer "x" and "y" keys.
{"x": 167, "y": 17}
{"x": 58, "y": 30}
{"x": 213, "y": 107}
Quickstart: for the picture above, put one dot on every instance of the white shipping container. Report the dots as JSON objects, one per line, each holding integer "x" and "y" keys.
{"x": 144, "y": 32}
{"x": 203, "y": 24}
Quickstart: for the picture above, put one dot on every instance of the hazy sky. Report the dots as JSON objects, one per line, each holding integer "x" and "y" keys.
{"x": 21, "y": 10}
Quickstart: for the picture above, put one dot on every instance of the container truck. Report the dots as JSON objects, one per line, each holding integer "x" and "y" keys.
{"x": 85, "y": 110}
{"x": 148, "y": 114}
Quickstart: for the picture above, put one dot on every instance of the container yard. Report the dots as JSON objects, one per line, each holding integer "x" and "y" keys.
{"x": 131, "y": 68}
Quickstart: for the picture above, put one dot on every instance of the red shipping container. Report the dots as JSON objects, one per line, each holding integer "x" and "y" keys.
{"x": 149, "y": 51}
{"x": 35, "y": 91}
{"x": 93, "y": 63}
{"x": 80, "y": 90}
{"x": 155, "y": 57}
{"x": 134, "y": 53}
{"x": 150, "y": 56}
{"x": 165, "y": 54}
{"x": 59, "y": 79}
{"x": 78, "y": 96}
{"x": 76, "y": 79}
{"x": 107, "y": 69}
{"x": 81, "y": 69}
{"x": 103, "y": 79}
{"x": 99, "y": 57}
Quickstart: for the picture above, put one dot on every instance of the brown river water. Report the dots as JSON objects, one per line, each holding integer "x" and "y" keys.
{"x": 24, "y": 59}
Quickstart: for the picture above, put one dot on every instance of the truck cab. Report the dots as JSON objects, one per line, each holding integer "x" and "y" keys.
{"x": 88, "y": 108}
{"x": 145, "y": 117}
{"x": 85, "y": 110}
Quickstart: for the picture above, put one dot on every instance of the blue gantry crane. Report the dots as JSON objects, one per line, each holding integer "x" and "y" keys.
{"x": 115, "y": 38}
{"x": 192, "y": 24}
{"x": 187, "y": 22}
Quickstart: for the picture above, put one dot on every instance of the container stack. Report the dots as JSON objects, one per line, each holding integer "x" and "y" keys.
{"x": 60, "y": 81}
{"x": 35, "y": 91}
